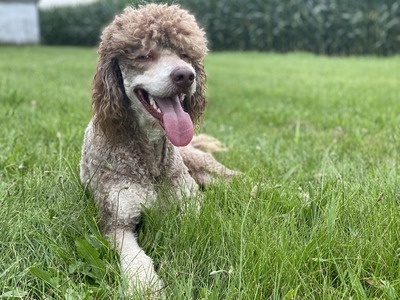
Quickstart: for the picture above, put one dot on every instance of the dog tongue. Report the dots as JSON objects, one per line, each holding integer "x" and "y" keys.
{"x": 177, "y": 123}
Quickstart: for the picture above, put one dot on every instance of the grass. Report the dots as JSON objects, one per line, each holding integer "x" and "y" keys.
{"x": 315, "y": 217}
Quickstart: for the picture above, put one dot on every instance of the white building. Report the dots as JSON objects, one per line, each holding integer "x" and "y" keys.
{"x": 19, "y": 22}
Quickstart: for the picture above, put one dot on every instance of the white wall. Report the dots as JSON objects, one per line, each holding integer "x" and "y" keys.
{"x": 19, "y": 23}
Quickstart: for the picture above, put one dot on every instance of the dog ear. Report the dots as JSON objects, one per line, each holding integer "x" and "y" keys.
{"x": 195, "y": 107}
{"x": 109, "y": 98}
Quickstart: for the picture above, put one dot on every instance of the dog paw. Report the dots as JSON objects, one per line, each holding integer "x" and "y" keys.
{"x": 139, "y": 271}
{"x": 149, "y": 287}
{"x": 207, "y": 144}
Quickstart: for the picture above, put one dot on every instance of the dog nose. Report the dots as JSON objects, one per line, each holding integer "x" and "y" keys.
{"x": 182, "y": 77}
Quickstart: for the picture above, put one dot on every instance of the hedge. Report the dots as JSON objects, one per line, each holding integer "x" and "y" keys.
{"x": 338, "y": 27}
{"x": 77, "y": 25}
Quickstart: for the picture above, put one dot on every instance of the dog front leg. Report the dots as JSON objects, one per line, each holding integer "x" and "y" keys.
{"x": 135, "y": 264}
{"x": 121, "y": 214}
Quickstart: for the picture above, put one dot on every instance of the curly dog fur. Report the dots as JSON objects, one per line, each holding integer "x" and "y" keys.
{"x": 148, "y": 90}
{"x": 128, "y": 35}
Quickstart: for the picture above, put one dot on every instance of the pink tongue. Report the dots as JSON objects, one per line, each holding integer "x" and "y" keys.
{"x": 177, "y": 123}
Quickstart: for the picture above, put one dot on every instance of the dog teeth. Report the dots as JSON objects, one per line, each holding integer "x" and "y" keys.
{"x": 154, "y": 104}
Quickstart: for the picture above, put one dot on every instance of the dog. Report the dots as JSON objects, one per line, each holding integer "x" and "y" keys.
{"x": 148, "y": 95}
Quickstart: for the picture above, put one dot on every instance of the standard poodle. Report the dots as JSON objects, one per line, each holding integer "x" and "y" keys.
{"x": 148, "y": 95}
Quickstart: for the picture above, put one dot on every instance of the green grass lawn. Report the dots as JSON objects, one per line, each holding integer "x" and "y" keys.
{"x": 316, "y": 215}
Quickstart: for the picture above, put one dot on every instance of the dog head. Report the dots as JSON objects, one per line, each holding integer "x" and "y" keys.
{"x": 150, "y": 73}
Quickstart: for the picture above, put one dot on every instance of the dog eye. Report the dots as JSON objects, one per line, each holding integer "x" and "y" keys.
{"x": 184, "y": 56}
{"x": 144, "y": 57}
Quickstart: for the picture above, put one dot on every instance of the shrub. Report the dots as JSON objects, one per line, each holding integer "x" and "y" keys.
{"x": 321, "y": 26}
{"x": 77, "y": 25}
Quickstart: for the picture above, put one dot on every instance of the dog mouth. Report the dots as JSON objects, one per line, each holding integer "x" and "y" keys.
{"x": 149, "y": 103}
{"x": 169, "y": 112}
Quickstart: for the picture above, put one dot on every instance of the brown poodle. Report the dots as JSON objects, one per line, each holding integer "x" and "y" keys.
{"x": 148, "y": 92}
